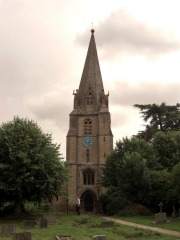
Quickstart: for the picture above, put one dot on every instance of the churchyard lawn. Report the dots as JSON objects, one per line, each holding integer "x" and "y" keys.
{"x": 83, "y": 228}
{"x": 172, "y": 224}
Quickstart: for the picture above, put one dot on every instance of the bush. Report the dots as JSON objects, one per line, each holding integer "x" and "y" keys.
{"x": 134, "y": 209}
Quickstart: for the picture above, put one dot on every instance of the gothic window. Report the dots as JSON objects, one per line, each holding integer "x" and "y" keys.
{"x": 87, "y": 127}
{"x": 88, "y": 177}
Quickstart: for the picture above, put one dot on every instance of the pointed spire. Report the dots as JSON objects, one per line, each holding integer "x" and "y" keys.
{"x": 91, "y": 76}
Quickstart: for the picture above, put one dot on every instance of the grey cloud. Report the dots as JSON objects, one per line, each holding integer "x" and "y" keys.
{"x": 121, "y": 33}
{"x": 126, "y": 94}
{"x": 54, "y": 108}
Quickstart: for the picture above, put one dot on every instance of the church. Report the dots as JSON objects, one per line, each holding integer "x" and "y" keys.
{"x": 89, "y": 138}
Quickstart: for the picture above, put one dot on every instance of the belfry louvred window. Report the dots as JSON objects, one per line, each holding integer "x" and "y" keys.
{"x": 87, "y": 127}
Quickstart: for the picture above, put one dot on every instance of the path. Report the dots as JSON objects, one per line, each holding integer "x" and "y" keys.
{"x": 140, "y": 226}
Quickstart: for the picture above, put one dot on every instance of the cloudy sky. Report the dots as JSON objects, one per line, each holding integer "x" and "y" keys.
{"x": 43, "y": 45}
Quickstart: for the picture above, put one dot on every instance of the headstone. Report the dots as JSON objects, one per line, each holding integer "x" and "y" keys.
{"x": 23, "y": 236}
{"x": 51, "y": 220}
{"x": 160, "y": 217}
{"x": 43, "y": 222}
{"x": 99, "y": 237}
{"x": 63, "y": 237}
{"x": 107, "y": 223}
{"x": 83, "y": 220}
{"x": 8, "y": 229}
{"x": 30, "y": 223}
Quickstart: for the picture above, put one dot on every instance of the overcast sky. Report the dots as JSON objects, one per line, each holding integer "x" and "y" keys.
{"x": 43, "y": 45}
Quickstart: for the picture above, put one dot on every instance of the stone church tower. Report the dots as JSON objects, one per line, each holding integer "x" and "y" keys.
{"x": 89, "y": 139}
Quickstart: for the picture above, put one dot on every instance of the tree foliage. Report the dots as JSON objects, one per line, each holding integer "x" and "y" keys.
{"x": 159, "y": 118}
{"x": 166, "y": 147}
{"x": 126, "y": 173}
{"x": 30, "y": 164}
{"x": 144, "y": 172}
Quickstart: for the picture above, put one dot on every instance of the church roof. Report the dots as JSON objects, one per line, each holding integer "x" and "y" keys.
{"x": 91, "y": 77}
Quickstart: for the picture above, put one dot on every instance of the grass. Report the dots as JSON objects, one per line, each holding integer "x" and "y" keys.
{"x": 172, "y": 224}
{"x": 83, "y": 228}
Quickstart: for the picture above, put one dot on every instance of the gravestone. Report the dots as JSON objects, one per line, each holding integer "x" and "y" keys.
{"x": 51, "y": 220}
{"x": 8, "y": 229}
{"x": 106, "y": 223}
{"x": 43, "y": 222}
{"x": 59, "y": 237}
{"x": 22, "y": 236}
{"x": 99, "y": 237}
{"x": 160, "y": 217}
{"x": 30, "y": 223}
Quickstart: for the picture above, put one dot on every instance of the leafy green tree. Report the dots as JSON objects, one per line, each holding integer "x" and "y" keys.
{"x": 126, "y": 175}
{"x": 176, "y": 182}
{"x": 160, "y": 190}
{"x": 166, "y": 147}
{"x": 30, "y": 164}
{"x": 159, "y": 117}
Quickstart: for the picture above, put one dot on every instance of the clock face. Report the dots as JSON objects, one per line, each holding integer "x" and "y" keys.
{"x": 87, "y": 141}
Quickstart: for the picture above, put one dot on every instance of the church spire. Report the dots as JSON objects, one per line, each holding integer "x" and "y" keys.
{"x": 91, "y": 77}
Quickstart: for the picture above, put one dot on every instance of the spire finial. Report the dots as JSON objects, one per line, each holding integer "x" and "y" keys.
{"x": 92, "y": 28}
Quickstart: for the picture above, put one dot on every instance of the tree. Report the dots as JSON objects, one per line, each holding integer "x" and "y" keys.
{"x": 159, "y": 117}
{"x": 160, "y": 188}
{"x": 166, "y": 147}
{"x": 30, "y": 164}
{"x": 176, "y": 181}
{"x": 126, "y": 175}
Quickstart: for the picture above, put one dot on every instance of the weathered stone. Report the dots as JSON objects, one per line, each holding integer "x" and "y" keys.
{"x": 107, "y": 223}
{"x": 51, "y": 220}
{"x": 23, "y": 236}
{"x": 8, "y": 229}
{"x": 30, "y": 223}
{"x": 160, "y": 217}
{"x": 63, "y": 237}
{"x": 99, "y": 237}
{"x": 89, "y": 138}
{"x": 43, "y": 223}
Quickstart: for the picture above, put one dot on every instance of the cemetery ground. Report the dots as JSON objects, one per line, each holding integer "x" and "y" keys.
{"x": 82, "y": 227}
{"x": 172, "y": 224}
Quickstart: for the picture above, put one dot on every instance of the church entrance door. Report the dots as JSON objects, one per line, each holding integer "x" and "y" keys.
{"x": 88, "y": 200}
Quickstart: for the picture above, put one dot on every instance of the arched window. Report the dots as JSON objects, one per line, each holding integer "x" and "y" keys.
{"x": 87, "y": 127}
{"x": 88, "y": 177}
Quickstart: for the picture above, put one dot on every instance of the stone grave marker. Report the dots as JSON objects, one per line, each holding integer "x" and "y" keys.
{"x": 43, "y": 222}
{"x": 8, "y": 229}
{"x": 22, "y": 236}
{"x": 160, "y": 217}
{"x": 107, "y": 223}
{"x": 51, "y": 220}
{"x": 30, "y": 223}
{"x": 61, "y": 237}
{"x": 99, "y": 237}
